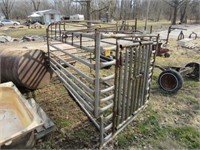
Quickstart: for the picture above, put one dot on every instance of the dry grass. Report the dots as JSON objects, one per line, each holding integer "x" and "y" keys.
{"x": 18, "y": 33}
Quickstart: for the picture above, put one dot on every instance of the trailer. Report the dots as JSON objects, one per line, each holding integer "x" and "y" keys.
{"x": 171, "y": 77}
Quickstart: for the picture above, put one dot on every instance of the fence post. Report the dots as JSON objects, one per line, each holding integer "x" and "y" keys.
{"x": 97, "y": 68}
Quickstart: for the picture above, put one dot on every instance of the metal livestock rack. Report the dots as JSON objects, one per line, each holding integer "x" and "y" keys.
{"x": 81, "y": 56}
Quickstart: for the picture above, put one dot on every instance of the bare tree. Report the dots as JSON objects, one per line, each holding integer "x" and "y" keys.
{"x": 195, "y": 11}
{"x": 88, "y": 7}
{"x": 6, "y": 7}
{"x": 175, "y": 4}
{"x": 36, "y": 4}
{"x": 122, "y": 9}
{"x": 183, "y": 12}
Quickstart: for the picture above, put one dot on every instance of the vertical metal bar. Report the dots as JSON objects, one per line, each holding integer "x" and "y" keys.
{"x": 138, "y": 77}
{"x": 133, "y": 91}
{"x": 150, "y": 55}
{"x": 90, "y": 62}
{"x": 139, "y": 91}
{"x": 144, "y": 74}
{"x": 153, "y": 63}
{"x": 135, "y": 24}
{"x": 129, "y": 79}
{"x": 169, "y": 30}
{"x": 151, "y": 29}
{"x": 97, "y": 69}
{"x": 125, "y": 85}
{"x": 62, "y": 37}
{"x": 64, "y": 26}
{"x": 132, "y": 97}
{"x": 55, "y": 30}
{"x": 136, "y": 80}
{"x": 72, "y": 38}
{"x": 51, "y": 31}
{"x": 48, "y": 47}
{"x": 116, "y": 89}
{"x": 119, "y": 87}
{"x": 59, "y": 31}
{"x": 80, "y": 40}
{"x": 101, "y": 130}
{"x": 65, "y": 37}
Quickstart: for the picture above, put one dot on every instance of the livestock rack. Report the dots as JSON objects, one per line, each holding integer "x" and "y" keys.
{"x": 107, "y": 71}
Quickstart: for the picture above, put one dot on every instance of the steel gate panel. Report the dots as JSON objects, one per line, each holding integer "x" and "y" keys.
{"x": 131, "y": 82}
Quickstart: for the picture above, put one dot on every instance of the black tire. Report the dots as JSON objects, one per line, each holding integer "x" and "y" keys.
{"x": 170, "y": 81}
{"x": 14, "y": 24}
{"x": 107, "y": 58}
{"x": 196, "y": 72}
{"x": 167, "y": 55}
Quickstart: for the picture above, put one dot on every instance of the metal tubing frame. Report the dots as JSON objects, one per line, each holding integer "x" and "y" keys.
{"x": 104, "y": 109}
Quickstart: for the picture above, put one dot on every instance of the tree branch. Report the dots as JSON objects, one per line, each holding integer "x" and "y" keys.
{"x": 106, "y": 7}
{"x": 168, "y": 3}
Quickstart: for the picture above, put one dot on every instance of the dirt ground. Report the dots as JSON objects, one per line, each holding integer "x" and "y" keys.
{"x": 171, "y": 121}
{"x": 41, "y": 45}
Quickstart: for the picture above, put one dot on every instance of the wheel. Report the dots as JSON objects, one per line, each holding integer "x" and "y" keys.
{"x": 14, "y": 24}
{"x": 108, "y": 58}
{"x": 196, "y": 72}
{"x": 166, "y": 55}
{"x": 170, "y": 81}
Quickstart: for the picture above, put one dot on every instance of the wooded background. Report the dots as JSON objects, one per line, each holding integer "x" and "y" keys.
{"x": 178, "y": 11}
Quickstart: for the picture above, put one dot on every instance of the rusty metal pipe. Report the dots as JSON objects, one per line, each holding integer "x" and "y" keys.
{"x": 186, "y": 70}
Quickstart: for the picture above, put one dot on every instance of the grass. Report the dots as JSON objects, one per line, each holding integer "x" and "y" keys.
{"x": 187, "y": 136}
{"x": 141, "y": 23}
{"x": 23, "y": 32}
{"x": 151, "y": 132}
{"x": 62, "y": 123}
{"x": 124, "y": 140}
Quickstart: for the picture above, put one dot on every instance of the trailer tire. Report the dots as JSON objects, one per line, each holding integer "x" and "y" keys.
{"x": 170, "y": 81}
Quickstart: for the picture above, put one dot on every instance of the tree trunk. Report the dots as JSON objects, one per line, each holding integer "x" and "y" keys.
{"x": 174, "y": 15}
{"x": 6, "y": 7}
{"x": 158, "y": 18}
{"x": 183, "y": 17}
{"x": 122, "y": 9}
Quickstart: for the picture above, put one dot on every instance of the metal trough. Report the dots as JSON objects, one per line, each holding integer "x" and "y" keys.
{"x": 17, "y": 119}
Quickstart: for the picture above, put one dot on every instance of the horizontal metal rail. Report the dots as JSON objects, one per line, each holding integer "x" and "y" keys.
{"x": 75, "y": 57}
{"x": 103, "y": 35}
{"x": 107, "y": 89}
{"x": 106, "y": 108}
{"x": 73, "y": 91}
{"x": 75, "y": 86}
{"x": 76, "y": 79}
{"x": 107, "y": 98}
{"x": 108, "y": 77}
{"x": 91, "y": 50}
{"x": 75, "y": 69}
